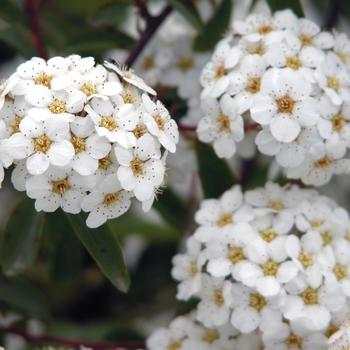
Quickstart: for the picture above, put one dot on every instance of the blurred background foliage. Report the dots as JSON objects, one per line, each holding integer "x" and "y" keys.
{"x": 60, "y": 278}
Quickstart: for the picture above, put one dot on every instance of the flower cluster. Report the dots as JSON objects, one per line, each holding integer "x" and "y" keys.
{"x": 275, "y": 261}
{"x": 84, "y": 136}
{"x": 284, "y": 76}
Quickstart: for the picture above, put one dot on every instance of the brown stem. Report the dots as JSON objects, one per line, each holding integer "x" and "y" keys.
{"x": 143, "y": 9}
{"x": 32, "y": 11}
{"x": 46, "y": 339}
{"x": 152, "y": 25}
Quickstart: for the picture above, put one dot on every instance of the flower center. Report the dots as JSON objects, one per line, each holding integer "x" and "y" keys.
{"x": 309, "y": 296}
{"x": 105, "y": 163}
{"x": 220, "y": 71}
{"x": 42, "y": 144}
{"x": 136, "y": 166}
{"x": 338, "y": 122}
{"x": 108, "y": 122}
{"x": 224, "y": 219}
{"x": 210, "y": 336}
{"x": 316, "y": 223}
{"x": 78, "y": 143}
{"x": 175, "y": 345}
{"x": 193, "y": 269}
{"x": 256, "y": 50}
{"x": 88, "y": 88}
{"x": 223, "y": 122}
{"x": 322, "y": 163}
{"x": 15, "y": 124}
{"x": 148, "y": 63}
{"x": 306, "y": 39}
{"x": 326, "y": 238}
{"x": 218, "y": 297}
{"x": 110, "y": 198}
{"x": 294, "y": 341}
{"x": 139, "y": 131}
{"x": 43, "y": 79}
{"x": 257, "y": 301}
{"x": 160, "y": 122}
{"x": 268, "y": 235}
{"x": 285, "y": 104}
{"x": 341, "y": 271}
{"x": 331, "y": 330}
{"x": 269, "y": 268}
{"x": 343, "y": 56}
{"x": 235, "y": 254}
{"x": 265, "y": 29}
{"x": 333, "y": 83}
{"x": 60, "y": 187}
{"x": 253, "y": 85}
{"x": 57, "y": 107}
{"x": 276, "y": 205}
{"x": 294, "y": 62}
{"x": 306, "y": 259}
{"x": 128, "y": 97}
{"x": 185, "y": 63}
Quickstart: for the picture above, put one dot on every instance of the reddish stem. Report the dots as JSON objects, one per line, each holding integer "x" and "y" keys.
{"x": 152, "y": 25}
{"x": 32, "y": 11}
{"x": 142, "y": 8}
{"x": 46, "y": 339}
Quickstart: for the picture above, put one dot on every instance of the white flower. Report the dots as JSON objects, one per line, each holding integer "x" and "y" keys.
{"x": 106, "y": 201}
{"x": 215, "y": 78}
{"x": 187, "y": 269}
{"x": 44, "y": 143}
{"x": 58, "y": 187}
{"x": 216, "y": 298}
{"x": 285, "y": 104}
{"x": 249, "y": 308}
{"x": 323, "y": 161}
{"x": 222, "y": 125}
{"x": 334, "y": 80}
{"x": 130, "y": 77}
{"x": 159, "y": 123}
{"x": 5, "y": 88}
{"x": 141, "y": 169}
{"x": 115, "y": 123}
{"x": 36, "y": 78}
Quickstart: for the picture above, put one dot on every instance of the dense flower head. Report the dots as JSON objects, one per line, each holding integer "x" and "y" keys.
{"x": 283, "y": 76}
{"x": 274, "y": 261}
{"x": 84, "y": 136}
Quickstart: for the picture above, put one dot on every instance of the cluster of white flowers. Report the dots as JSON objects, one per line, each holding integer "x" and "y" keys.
{"x": 84, "y": 136}
{"x": 284, "y": 76}
{"x": 273, "y": 261}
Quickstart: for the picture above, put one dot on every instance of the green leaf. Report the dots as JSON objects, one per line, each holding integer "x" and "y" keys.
{"x": 215, "y": 174}
{"x": 20, "y": 242}
{"x": 10, "y": 12}
{"x": 172, "y": 208}
{"x": 19, "y": 40}
{"x": 111, "y": 15}
{"x": 189, "y": 11}
{"x": 215, "y": 28}
{"x": 23, "y": 296}
{"x": 295, "y": 5}
{"x": 130, "y": 223}
{"x": 105, "y": 249}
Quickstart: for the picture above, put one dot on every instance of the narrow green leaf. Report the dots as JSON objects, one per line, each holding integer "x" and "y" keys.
{"x": 20, "y": 242}
{"x": 111, "y": 15}
{"x": 215, "y": 28}
{"x": 130, "y": 223}
{"x": 19, "y": 39}
{"x": 295, "y": 5}
{"x": 105, "y": 249}
{"x": 189, "y": 11}
{"x": 10, "y": 12}
{"x": 215, "y": 174}
{"x": 24, "y": 297}
{"x": 172, "y": 208}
